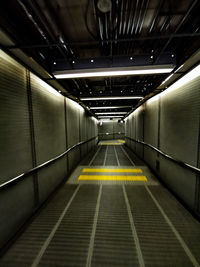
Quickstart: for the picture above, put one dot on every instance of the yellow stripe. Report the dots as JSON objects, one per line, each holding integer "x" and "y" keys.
{"x": 122, "y": 141}
{"x": 113, "y": 178}
{"x": 108, "y": 144}
{"x": 112, "y": 170}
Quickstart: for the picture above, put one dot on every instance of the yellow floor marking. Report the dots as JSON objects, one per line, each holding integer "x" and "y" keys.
{"x": 112, "y": 170}
{"x": 108, "y": 144}
{"x": 113, "y": 178}
{"x": 122, "y": 141}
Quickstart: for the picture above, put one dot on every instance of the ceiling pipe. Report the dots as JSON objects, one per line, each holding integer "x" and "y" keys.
{"x": 121, "y": 40}
{"x": 143, "y": 18}
{"x": 121, "y": 18}
{"x": 156, "y": 15}
{"x": 179, "y": 26}
{"x": 130, "y": 19}
{"x": 134, "y": 16}
{"x": 51, "y": 22}
{"x": 30, "y": 17}
{"x": 139, "y": 17}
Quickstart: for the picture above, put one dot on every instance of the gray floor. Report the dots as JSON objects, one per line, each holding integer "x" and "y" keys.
{"x": 109, "y": 223}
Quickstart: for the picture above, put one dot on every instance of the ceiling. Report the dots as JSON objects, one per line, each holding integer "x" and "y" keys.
{"x": 66, "y": 33}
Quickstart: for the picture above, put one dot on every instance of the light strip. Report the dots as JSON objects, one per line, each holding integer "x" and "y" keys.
{"x": 188, "y": 77}
{"x": 111, "y": 98}
{"x": 111, "y": 107}
{"x": 110, "y": 116}
{"x": 167, "y": 78}
{"x": 71, "y": 74}
{"x": 107, "y": 113}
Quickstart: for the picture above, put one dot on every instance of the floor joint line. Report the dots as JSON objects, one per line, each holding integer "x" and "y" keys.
{"x": 127, "y": 156}
{"x": 94, "y": 156}
{"x": 53, "y": 231}
{"x": 104, "y": 162}
{"x": 133, "y": 229}
{"x": 91, "y": 246}
{"x": 176, "y": 233}
{"x": 116, "y": 156}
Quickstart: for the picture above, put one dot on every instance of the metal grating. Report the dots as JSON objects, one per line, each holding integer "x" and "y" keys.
{"x": 133, "y": 156}
{"x": 123, "y": 160}
{"x": 69, "y": 246}
{"x": 110, "y": 157}
{"x": 99, "y": 160}
{"x": 114, "y": 244}
{"x": 158, "y": 243}
{"x": 25, "y": 249}
{"x": 187, "y": 226}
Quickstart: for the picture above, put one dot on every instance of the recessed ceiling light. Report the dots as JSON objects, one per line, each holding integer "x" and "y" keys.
{"x": 92, "y": 60}
{"x": 172, "y": 55}
{"x": 54, "y": 63}
{"x": 73, "y": 61}
{"x": 131, "y": 58}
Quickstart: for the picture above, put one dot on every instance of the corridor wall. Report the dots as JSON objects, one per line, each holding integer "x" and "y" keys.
{"x": 112, "y": 129}
{"x": 36, "y": 124}
{"x": 170, "y": 122}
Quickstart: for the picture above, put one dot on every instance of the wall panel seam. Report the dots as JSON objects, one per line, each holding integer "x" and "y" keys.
{"x": 32, "y": 135}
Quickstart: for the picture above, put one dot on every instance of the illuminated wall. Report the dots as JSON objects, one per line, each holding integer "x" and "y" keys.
{"x": 36, "y": 124}
{"x": 170, "y": 122}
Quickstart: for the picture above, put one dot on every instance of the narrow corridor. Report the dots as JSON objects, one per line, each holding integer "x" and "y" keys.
{"x": 112, "y": 211}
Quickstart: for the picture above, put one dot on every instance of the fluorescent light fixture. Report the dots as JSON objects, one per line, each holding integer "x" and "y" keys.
{"x": 111, "y": 107}
{"x": 188, "y": 77}
{"x": 167, "y": 78}
{"x": 109, "y": 113}
{"x": 104, "y": 72}
{"x": 107, "y": 120}
{"x": 110, "y": 116}
{"x": 110, "y": 98}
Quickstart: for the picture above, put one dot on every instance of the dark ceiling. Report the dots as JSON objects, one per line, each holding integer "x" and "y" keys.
{"x": 68, "y": 31}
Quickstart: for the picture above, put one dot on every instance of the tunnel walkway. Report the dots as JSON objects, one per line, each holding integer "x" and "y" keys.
{"x": 112, "y": 211}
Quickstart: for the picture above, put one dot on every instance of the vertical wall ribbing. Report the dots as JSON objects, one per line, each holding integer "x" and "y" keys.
{"x": 32, "y": 134}
{"x": 65, "y": 108}
{"x": 197, "y": 191}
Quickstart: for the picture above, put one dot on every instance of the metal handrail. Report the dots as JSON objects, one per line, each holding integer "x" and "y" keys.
{"x": 179, "y": 162}
{"x": 22, "y": 175}
{"x": 111, "y": 133}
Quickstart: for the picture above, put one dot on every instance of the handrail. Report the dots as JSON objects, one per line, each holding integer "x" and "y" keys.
{"x": 110, "y": 133}
{"x": 22, "y": 175}
{"x": 179, "y": 162}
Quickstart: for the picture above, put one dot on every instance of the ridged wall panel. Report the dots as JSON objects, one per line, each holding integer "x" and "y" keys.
{"x": 50, "y": 138}
{"x": 151, "y": 131}
{"x": 17, "y": 201}
{"x": 72, "y": 118}
{"x": 179, "y": 133}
